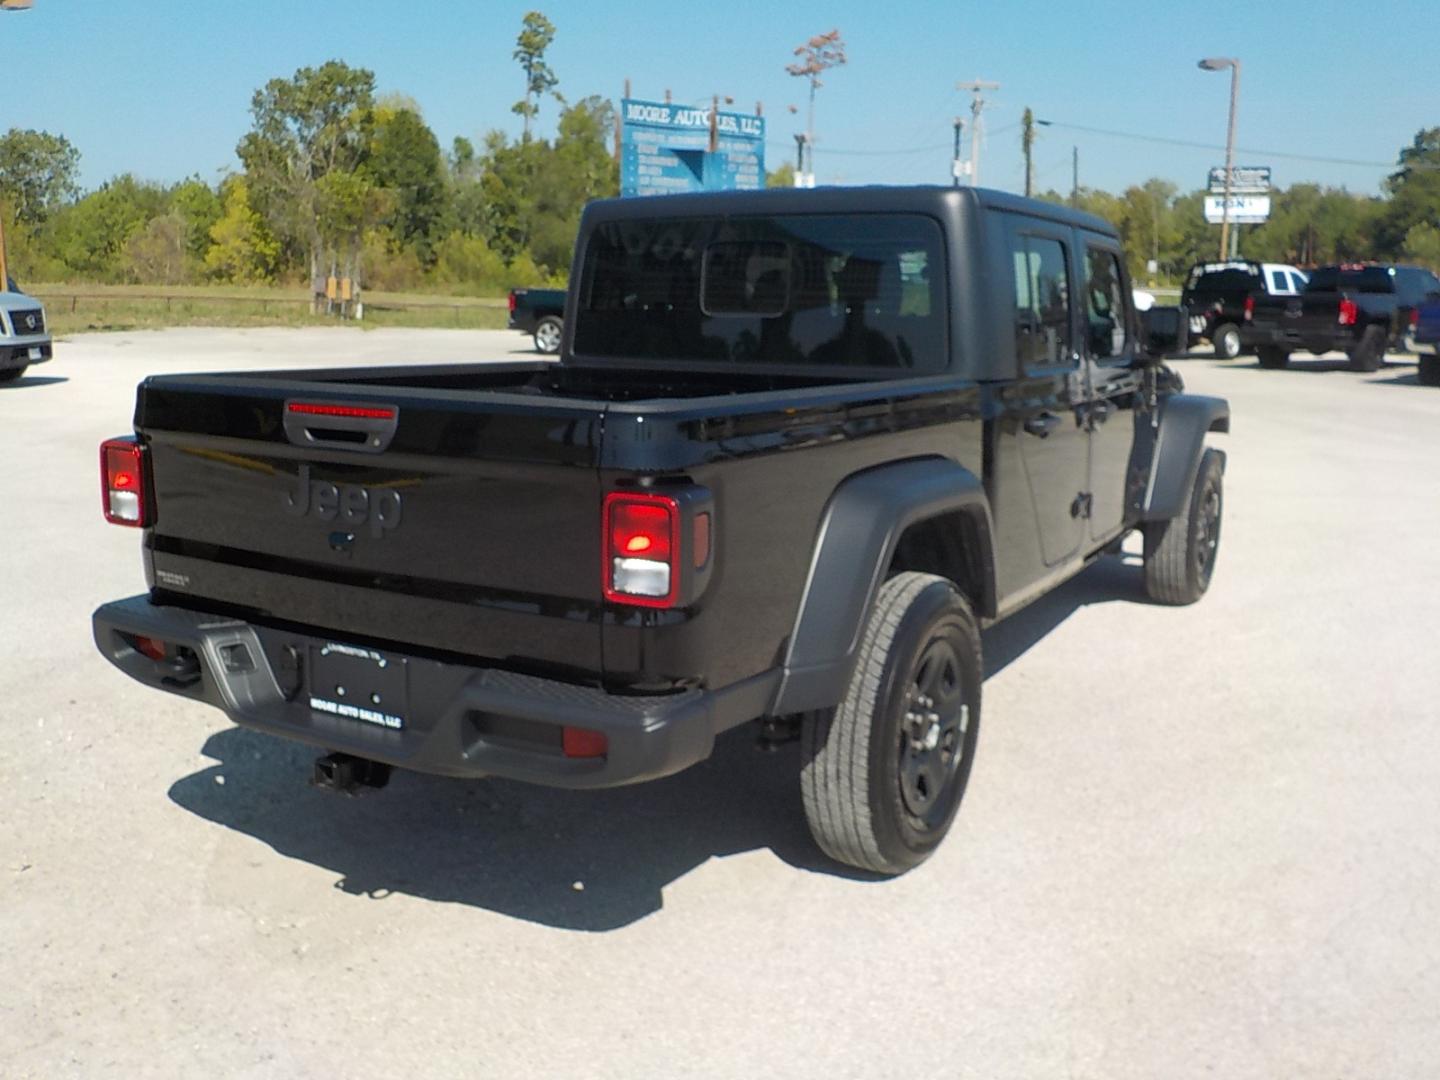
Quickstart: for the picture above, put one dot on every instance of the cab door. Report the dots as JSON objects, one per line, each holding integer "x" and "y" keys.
{"x": 1112, "y": 382}
{"x": 1041, "y": 407}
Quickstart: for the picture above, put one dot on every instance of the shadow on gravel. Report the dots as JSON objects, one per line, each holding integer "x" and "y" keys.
{"x": 511, "y": 848}
{"x": 34, "y": 380}
{"x": 1107, "y": 580}
{"x": 518, "y": 849}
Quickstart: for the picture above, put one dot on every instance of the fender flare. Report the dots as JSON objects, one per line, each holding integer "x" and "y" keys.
{"x": 859, "y": 530}
{"x": 1183, "y": 423}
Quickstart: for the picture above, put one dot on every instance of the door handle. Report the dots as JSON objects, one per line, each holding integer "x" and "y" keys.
{"x": 1042, "y": 425}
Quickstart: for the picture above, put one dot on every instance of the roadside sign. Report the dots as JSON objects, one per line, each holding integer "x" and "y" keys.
{"x": 1244, "y": 209}
{"x": 1244, "y": 180}
{"x": 665, "y": 149}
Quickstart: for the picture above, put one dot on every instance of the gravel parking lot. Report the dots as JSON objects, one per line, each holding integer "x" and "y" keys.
{"x": 1198, "y": 842}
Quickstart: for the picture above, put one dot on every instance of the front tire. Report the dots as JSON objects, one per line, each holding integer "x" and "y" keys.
{"x": 11, "y": 374}
{"x": 547, "y": 334}
{"x": 1180, "y": 553}
{"x": 886, "y": 769}
{"x": 1226, "y": 340}
{"x": 1427, "y": 370}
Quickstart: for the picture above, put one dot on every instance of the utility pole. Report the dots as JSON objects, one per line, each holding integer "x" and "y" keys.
{"x": 1027, "y": 143}
{"x": 977, "y": 87}
{"x": 955, "y": 159}
{"x": 1075, "y": 176}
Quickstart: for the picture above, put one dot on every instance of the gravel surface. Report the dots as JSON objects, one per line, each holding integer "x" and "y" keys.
{"x": 1197, "y": 842}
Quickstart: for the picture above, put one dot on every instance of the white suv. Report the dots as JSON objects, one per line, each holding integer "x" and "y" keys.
{"x": 24, "y": 334}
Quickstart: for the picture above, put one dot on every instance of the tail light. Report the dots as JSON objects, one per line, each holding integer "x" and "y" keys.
{"x": 642, "y": 545}
{"x": 123, "y": 484}
{"x": 1249, "y": 308}
{"x": 1414, "y": 317}
{"x": 1349, "y": 313}
{"x": 512, "y": 301}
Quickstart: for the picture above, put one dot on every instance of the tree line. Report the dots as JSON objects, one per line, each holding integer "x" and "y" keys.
{"x": 333, "y": 179}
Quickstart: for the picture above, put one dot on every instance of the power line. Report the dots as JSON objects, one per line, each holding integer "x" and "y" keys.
{"x": 1242, "y": 149}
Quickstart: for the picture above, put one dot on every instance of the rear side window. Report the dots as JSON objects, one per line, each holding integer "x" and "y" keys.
{"x": 1042, "y": 302}
{"x": 1279, "y": 281}
{"x": 1105, "y": 332}
{"x": 863, "y": 291}
{"x": 1299, "y": 279}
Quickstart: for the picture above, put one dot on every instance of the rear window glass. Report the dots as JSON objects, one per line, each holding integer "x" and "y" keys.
{"x": 1225, "y": 281}
{"x": 1365, "y": 279}
{"x": 862, "y": 291}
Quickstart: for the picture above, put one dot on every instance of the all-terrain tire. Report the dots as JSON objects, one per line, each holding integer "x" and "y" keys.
{"x": 1369, "y": 352}
{"x": 1180, "y": 553}
{"x": 1226, "y": 340}
{"x": 1272, "y": 357}
{"x": 865, "y": 764}
{"x": 1427, "y": 370}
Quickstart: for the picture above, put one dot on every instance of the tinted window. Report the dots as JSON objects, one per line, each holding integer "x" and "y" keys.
{"x": 1298, "y": 280}
{"x": 860, "y": 290}
{"x": 1042, "y": 302}
{"x": 1279, "y": 281}
{"x": 1223, "y": 279}
{"x": 1104, "y": 304}
{"x": 1367, "y": 279}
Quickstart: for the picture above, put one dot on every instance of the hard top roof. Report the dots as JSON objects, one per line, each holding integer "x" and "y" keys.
{"x": 914, "y": 199}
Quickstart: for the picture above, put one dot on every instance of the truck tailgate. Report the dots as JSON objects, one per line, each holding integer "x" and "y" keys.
{"x": 464, "y": 523}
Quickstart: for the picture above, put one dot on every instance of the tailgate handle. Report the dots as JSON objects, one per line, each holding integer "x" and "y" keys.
{"x": 342, "y": 425}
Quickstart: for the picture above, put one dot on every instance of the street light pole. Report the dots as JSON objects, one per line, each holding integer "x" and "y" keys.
{"x": 1220, "y": 63}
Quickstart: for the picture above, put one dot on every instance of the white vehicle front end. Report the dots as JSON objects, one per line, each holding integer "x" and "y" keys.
{"x": 24, "y": 334}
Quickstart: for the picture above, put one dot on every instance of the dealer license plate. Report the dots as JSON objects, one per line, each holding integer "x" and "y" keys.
{"x": 359, "y": 684}
{"x": 35, "y": 352}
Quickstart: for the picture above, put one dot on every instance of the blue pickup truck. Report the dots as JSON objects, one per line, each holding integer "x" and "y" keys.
{"x": 1425, "y": 338}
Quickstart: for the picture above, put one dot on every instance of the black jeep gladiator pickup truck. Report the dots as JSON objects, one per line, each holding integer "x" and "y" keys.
{"x": 1362, "y": 309}
{"x": 800, "y": 448}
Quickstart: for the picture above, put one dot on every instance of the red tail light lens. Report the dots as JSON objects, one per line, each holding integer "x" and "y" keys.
{"x": 584, "y": 743}
{"x": 1414, "y": 317}
{"x": 512, "y": 301}
{"x": 122, "y": 482}
{"x": 642, "y": 542}
{"x": 1249, "y": 308}
{"x": 1349, "y": 313}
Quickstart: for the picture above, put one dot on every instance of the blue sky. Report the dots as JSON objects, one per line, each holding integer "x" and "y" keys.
{"x": 161, "y": 88}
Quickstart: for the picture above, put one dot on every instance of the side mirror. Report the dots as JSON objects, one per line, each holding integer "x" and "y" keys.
{"x": 1165, "y": 331}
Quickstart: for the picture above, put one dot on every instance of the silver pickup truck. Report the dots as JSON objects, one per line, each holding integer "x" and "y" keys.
{"x": 24, "y": 334}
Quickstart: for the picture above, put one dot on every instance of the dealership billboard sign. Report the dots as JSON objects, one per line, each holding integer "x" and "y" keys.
{"x": 667, "y": 148}
{"x": 1244, "y": 209}
{"x": 1244, "y": 180}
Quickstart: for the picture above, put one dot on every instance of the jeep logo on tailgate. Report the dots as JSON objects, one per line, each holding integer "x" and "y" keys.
{"x": 350, "y": 503}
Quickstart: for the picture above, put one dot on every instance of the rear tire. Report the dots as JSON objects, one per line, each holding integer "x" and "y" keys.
{"x": 11, "y": 374}
{"x": 1272, "y": 357}
{"x": 1180, "y": 553}
{"x": 547, "y": 334}
{"x": 1369, "y": 352}
{"x": 886, "y": 769}
{"x": 1427, "y": 370}
{"x": 1226, "y": 340}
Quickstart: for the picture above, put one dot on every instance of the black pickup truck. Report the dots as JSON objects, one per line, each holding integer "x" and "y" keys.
{"x": 539, "y": 313}
{"x": 1359, "y": 308}
{"x": 801, "y": 447}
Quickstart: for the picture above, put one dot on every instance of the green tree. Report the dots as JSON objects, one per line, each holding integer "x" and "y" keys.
{"x": 89, "y": 237}
{"x": 1414, "y": 191}
{"x": 405, "y": 160}
{"x": 1422, "y": 245}
{"x": 37, "y": 174}
{"x": 242, "y": 249}
{"x": 199, "y": 207}
{"x": 536, "y": 34}
{"x": 158, "y": 254}
{"x": 782, "y": 177}
{"x": 303, "y": 129}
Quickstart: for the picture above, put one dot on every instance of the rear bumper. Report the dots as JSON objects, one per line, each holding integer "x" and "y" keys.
{"x": 459, "y": 720}
{"x": 1340, "y": 337}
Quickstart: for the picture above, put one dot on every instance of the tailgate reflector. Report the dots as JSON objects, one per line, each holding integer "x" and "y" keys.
{"x": 584, "y": 743}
